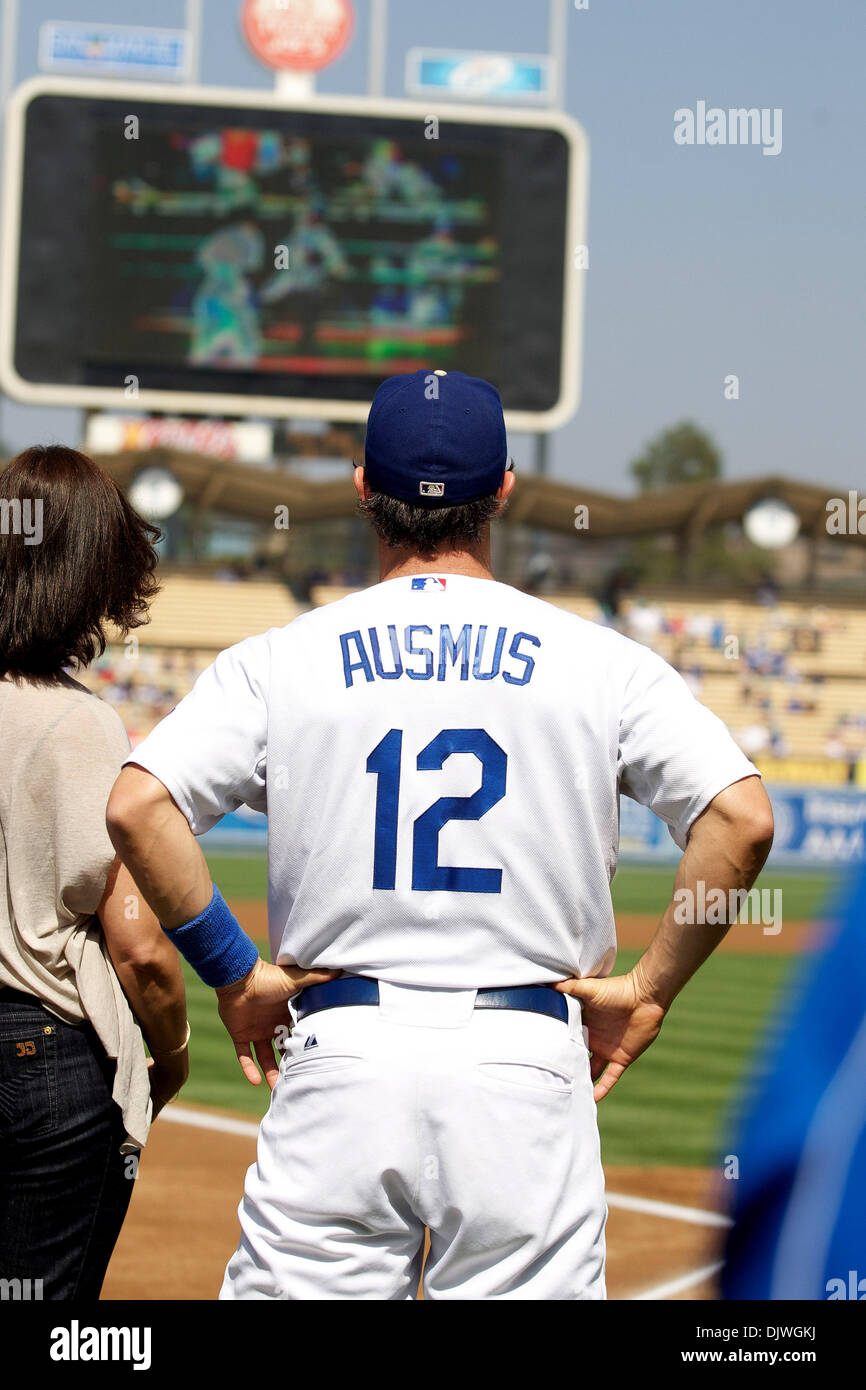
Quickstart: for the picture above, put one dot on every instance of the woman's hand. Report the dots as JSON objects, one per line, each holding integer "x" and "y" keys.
{"x": 167, "y": 1076}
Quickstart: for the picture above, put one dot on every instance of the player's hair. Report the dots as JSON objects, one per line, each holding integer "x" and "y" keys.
{"x": 427, "y": 530}
{"x": 89, "y": 561}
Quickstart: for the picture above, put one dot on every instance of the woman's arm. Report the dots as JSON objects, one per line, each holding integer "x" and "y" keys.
{"x": 149, "y": 971}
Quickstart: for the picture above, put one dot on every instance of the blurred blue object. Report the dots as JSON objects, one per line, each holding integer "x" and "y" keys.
{"x": 799, "y": 1212}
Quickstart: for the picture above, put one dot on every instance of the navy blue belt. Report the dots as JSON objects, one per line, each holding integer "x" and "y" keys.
{"x": 357, "y": 989}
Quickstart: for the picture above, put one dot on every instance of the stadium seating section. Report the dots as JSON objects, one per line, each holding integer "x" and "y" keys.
{"x": 191, "y": 619}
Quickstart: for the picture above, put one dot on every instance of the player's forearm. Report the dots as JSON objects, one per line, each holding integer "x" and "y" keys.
{"x": 727, "y": 849}
{"x": 153, "y": 838}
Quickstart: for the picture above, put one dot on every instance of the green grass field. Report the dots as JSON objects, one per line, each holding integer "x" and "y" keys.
{"x": 671, "y": 1107}
{"x": 636, "y": 888}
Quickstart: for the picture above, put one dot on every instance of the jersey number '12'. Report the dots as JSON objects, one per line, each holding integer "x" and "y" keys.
{"x": 427, "y": 872}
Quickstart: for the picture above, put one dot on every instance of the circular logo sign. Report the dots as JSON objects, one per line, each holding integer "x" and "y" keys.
{"x": 156, "y": 493}
{"x": 771, "y": 523}
{"x": 302, "y": 35}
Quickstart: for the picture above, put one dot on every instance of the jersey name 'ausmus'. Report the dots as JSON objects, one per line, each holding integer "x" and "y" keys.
{"x": 422, "y": 653}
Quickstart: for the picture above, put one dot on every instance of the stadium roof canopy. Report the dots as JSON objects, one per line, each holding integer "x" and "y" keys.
{"x": 254, "y": 493}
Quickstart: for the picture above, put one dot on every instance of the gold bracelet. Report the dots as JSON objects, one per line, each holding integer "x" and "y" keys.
{"x": 175, "y": 1051}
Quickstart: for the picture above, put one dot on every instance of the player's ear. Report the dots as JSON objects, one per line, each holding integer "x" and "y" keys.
{"x": 362, "y": 487}
{"x": 503, "y": 492}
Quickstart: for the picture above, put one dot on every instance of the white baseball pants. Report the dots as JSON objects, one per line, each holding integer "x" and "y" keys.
{"x": 423, "y": 1111}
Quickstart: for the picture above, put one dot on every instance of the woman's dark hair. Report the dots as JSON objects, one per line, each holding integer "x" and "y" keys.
{"x": 426, "y": 530}
{"x": 74, "y": 556}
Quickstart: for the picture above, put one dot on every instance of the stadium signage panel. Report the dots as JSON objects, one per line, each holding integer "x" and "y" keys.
{"x": 816, "y": 827}
{"x": 297, "y": 35}
{"x": 464, "y": 76}
{"x": 231, "y": 254}
{"x": 247, "y": 441}
{"x": 114, "y": 50}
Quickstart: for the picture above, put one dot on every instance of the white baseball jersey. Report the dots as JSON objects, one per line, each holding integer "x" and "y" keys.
{"x": 440, "y": 759}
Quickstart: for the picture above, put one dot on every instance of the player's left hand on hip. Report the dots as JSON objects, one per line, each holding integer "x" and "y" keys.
{"x": 620, "y": 1023}
{"x": 255, "y": 1013}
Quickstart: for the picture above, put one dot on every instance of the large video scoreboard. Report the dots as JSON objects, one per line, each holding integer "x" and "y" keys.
{"x": 219, "y": 252}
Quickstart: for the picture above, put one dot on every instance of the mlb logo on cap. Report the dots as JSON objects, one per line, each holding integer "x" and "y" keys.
{"x": 431, "y": 489}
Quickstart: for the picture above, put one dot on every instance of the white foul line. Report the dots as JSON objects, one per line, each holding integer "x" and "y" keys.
{"x": 685, "y": 1281}
{"x": 694, "y": 1215}
{"x": 199, "y": 1120}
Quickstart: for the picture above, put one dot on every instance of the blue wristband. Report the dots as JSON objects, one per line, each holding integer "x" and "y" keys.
{"x": 215, "y": 944}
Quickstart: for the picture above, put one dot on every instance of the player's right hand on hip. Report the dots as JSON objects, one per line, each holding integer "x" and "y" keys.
{"x": 619, "y": 1024}
{"x": 255, "y": 1013}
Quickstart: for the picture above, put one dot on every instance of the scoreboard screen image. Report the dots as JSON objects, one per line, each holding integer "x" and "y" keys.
{"x": 264, "y": 259}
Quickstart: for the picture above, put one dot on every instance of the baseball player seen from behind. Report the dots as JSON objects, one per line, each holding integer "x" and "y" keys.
{"x": 440, "y": 757}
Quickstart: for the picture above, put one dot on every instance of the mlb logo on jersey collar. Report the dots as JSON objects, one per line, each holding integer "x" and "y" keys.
{"x": 427, "y": 581}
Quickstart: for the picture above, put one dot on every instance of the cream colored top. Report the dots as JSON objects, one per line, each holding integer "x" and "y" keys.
{"x": 61, "y": 748}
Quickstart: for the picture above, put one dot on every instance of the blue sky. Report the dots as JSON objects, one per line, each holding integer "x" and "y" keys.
{"x": 704, "y": 261}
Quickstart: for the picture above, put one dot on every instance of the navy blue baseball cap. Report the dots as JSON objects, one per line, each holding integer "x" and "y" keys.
{"x": 436, "y": 438}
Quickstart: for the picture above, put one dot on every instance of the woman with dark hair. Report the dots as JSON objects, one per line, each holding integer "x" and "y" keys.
{"x": 84, "y": 965}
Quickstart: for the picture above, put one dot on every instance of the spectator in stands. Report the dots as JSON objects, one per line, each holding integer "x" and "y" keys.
{"x": 753, "y": 739}
{"x": 767, "y": 594}
{"x": 644, "y": 622}
{"x": 81, "y": 955}
{"x": 617, "y": 584}
{"x": 699, "y": 627}
{"x": 779, "y": 746}
{"x": 821, "y": 624}
{"x": 693, "y": 678}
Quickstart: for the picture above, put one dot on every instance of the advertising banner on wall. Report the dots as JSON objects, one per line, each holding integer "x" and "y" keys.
{"x": 816, "y": 828}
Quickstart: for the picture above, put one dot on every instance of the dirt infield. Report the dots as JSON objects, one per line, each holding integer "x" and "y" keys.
{"x": 182, "y": 1225}
{"x": 633, "y": 930}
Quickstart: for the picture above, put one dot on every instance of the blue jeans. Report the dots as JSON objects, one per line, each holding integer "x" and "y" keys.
{"x": 64, "y": 1185}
